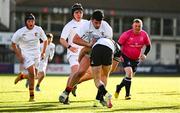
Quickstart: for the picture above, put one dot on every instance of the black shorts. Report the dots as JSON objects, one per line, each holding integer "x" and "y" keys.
{"x": 101, "y": 55}
{"x": 130, "y": 63}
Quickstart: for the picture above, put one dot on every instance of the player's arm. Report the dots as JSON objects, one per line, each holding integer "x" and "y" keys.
{"x": 78, "y": 40}
{"x": 115, "y": 64}
{"x": 147, "y": 47}
{"x": 83, "y": 52}
{"x": 17, "y": 52}
{"x": 147, "y": 50}
{"x": 45, "y": 43}
{"x": 51, "y": 55}
{"x": 116, "y": 58}
{"x": 64, "y": 43}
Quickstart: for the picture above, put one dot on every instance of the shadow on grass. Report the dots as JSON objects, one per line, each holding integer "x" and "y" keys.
{"x": 145, "y": 109}
{"x": 51, "y": 106}
{"x": 13, "y": 91}
{"x": 162, "y": 93}
{"x": 56, "y": 106}
{"x": 81, "y": 101}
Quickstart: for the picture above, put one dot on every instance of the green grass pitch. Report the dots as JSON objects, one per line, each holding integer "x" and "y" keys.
{"x": 149, "y": 95}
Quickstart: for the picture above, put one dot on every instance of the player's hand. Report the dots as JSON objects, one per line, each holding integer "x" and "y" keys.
{"x": 142, "y": 57}
{"x": 121, "y": 59}
{"x": 93, "y": 41}
{"x": 73, "y": 49}
{"x": 42, "y": 55}
{"x": 21, "y": 59}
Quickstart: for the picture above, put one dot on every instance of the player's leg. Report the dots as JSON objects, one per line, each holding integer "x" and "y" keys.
{"x": 83, "y": 67}
{"x": 86, "y": 72}
{"x": 41, "y": 72}
{"x": 131, "y": 73}
{"x": 74, "y": 64}
{"x": 101, "y": 84}
{"x": 105, "y": 72}
{"x": 85, "y": 77}
{"x": 32, "y": 73}
{"x": 98, "y": 59}
{"x": 114, "y": 65}
{"x": 128, "y": 70}
{"x": 125, "y": 82}
{"x": 40, "y": 78}
{"x": 83, "y": 74}
{"x": 20, "y": 77}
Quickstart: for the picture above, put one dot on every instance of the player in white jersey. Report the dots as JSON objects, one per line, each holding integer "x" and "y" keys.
{"x": 26, "y": 45}
{"x": 94, "y": 29}
{"x": 49, "y": 54}
{"x": 66, "y": 40}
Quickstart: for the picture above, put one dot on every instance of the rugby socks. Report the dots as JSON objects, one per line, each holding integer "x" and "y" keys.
{"x": 68, "y": 89}
{"x": 122, "y": 84}
{"x": 127, "y": 85}
{"x": 37, "y": 85}
{"x": 31, "y": 93}
{"x": 99, "y": 96}
{"x": 31, "y": 86}
{"x": 125, "y": 82}
{"x": 101, "y": 92}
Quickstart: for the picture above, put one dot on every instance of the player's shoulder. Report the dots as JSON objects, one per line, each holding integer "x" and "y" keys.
{"x": 70, "y": 23}
{"x": 143, "y": 31}
{"x": 130, "y": 31}
{"x": 105, "y": 23}
{"x": 37, "y": 27}
{"x": 84, "y": 20}
{"x": 127, "y": 33}
{"x": 22, "y": 29}
{"x": 86, "y": 23}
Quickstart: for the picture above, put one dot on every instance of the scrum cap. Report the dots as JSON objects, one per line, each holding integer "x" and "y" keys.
{"x": 76, "y": 6}
{"x": 29, "y": 16}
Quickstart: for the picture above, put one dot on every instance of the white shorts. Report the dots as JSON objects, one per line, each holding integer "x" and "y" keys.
{"x": 42, "y": 66}
{"x": 29, "y": 61}
{"x": 73, "y": 60}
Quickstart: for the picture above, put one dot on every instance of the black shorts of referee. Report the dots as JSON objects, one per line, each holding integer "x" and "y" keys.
{"x": 130, "y": 63}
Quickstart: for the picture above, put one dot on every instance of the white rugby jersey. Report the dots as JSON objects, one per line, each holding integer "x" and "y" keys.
{"x": 49, "y": 53}
{"x": 106, "y": 42}
{"x": 87, "y": 31}
{"x": 69, "y": 32}
{"x": 28, "y": 40}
